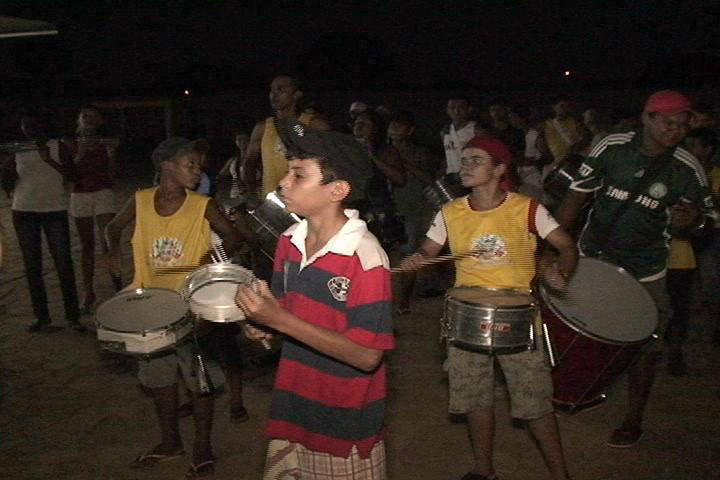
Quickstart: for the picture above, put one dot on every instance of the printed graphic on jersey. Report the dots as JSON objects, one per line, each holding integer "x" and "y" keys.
{"x": 492, "y": 248}
{"x": 585, "y": 170}
{"x": 657, "y": 190}
{"x": 339, "y": 288}
{"x": 166, "y": 251}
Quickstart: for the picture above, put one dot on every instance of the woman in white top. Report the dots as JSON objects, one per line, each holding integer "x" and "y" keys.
{"x": 40, "y": 204}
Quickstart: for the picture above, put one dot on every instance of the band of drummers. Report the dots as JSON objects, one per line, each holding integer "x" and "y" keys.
{"x": 566, "y": 253}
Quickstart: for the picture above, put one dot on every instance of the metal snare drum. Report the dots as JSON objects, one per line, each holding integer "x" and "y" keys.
{"x": 210, "y": 291}
{"x": 269, "y": 220}
{"x": 443, "y": 190}
{"x": 142, "y": 321}
{"x": 490, "y": 321}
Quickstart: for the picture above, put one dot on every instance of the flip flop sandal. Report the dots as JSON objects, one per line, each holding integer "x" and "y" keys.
{"x": 147, "y": 460}
{"x": 202, "y": 469}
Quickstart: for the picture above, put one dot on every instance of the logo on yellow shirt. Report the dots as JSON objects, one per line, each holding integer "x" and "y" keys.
{"x": 166, "y": 251}
{"x": 492, "y": 248}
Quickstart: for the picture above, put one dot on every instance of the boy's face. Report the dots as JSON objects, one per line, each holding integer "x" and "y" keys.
{"x": 459, "y": 111}
{"x": 399, "y": 131}
{"x": 478, "y": 168}
{"x": 283, "y": 94}
{"x": 363, "y": 127}
{"x": 498, "y": 112}
{"x": 302, "y": 189}
{"x": 89, "y": 118}
{"x": 184, "y": 169}
{"x": 666, "y": 130}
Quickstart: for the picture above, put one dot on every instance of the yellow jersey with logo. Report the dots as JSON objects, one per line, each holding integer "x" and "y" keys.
{"x": 505, "y": 237}
{"x": 165, "y": 241}
{"x": 272, "y": 150}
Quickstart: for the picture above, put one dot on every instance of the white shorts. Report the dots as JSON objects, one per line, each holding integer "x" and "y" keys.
{"x": 92, "y": 204}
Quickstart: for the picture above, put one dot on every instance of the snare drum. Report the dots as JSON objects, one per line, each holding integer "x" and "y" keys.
{"x": 443, "y": 190}
{"x": 490, "y": 321}
{"x": 269, "y": 220}
{"x": 597, "y": 327}
{"x": 210, "y": 291}
{"x": 142, "y": 321}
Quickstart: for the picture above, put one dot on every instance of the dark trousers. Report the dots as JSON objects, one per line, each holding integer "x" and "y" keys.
{"x": 679, "y": 287}
{"x": 28, "y": 227}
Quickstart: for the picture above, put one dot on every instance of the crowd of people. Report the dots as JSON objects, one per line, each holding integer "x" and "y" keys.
{"x": 532, "y": 194}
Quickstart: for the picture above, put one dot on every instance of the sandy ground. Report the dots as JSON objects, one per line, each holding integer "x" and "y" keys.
{"x": 65, "y": 415}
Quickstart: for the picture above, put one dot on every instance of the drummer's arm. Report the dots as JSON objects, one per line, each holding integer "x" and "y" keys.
{"x": 570, "y": 207}
{"x": 567, "y": 251}
{"x": 251, "y": 162}
{"x": 113, "y": 234}
{"x": 232, "y": 235}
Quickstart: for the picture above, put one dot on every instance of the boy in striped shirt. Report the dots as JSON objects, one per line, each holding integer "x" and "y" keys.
{"x": 331, "y": 297}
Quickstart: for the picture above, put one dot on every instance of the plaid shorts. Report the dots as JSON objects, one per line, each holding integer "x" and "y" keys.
{"x": 472, "y": 382}
{"x": 291, "y": 461}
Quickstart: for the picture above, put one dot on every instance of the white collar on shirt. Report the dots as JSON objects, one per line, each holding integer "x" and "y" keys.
{"x": 346, "y": 241}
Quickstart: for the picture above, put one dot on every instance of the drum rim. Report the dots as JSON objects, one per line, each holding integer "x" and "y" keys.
{"x": 99, "y": 324}
{"x": 542, "y": 289}
{"x": 529, "y": 292}
{"x": 185, "y": 318}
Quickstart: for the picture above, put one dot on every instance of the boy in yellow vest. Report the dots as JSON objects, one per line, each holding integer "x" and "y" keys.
{"x": 172, "y": 227}
{"x": 506, "y": 226}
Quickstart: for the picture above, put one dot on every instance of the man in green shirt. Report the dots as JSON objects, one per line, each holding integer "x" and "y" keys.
{"x": 643, "y": 185}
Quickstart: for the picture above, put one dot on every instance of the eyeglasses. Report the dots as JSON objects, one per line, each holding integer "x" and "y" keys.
{"x": 473, "y": 161}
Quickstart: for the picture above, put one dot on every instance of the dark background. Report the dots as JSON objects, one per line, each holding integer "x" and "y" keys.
{"x": 113, "y": 48}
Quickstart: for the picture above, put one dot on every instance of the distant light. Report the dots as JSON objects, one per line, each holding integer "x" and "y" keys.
{"x": 567, "y": 73}
{"x": 186, "y": 92}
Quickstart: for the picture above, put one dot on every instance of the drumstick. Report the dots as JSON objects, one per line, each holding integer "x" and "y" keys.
{"x": 425, "y": 261}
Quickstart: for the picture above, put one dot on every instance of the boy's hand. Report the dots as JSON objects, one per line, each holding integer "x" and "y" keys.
{"x": 413, "y": 262}
{"x": 552, "y": 276}
{"x": 258, "y": 303}
{"x": 254, "y": 333}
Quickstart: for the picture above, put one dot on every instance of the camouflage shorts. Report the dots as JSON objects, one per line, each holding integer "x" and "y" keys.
{"x": 472, "y": 382}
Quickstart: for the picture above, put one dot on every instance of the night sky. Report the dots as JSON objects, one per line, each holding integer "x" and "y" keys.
{"x": 160, "y": 48}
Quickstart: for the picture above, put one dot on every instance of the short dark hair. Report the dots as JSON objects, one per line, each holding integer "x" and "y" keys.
{"x": 458, "y": 95}
{"x": 707, "y": 137}
{"x": 329, "y": 174}
{"x": 294, "y": 79}
{"x": 404, "y": 116}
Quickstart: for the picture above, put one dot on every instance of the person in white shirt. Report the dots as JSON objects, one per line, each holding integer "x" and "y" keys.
{"x": 460, "y": 130}
{"x": 40, "y": 204}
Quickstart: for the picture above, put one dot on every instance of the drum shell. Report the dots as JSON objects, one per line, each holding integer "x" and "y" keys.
{"x": 142, "y": 321}
{"x": 597, "y": 328}
{"x": 443, "y": 190}
{"x": 144, "y": 342}
{"x": 487, "y": 328}
{"x": 586, "y": 367}
{"x": 268, "y": 221}
{"x": 223, "y": 278}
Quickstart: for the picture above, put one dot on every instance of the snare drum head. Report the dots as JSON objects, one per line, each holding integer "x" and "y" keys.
{"x": 141, "y": 309}
{"x": 490, "y": 297}
{"x": 605, "y": 302}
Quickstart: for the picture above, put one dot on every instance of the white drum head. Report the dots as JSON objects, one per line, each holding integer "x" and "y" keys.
{"x": 142, "y": 309}
{"x": 490, "y": 297}
{"x": 605, "y": 302}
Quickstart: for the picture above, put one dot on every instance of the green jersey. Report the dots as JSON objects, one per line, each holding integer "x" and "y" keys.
{"x": 637, "y": 240}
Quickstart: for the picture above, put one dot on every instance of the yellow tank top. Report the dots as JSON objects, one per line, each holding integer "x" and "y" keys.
{"x": 178, "y": 239}
{"x": 503, "y": 233}
{"x": 682, "y": 255}
{"x": 272, "y": 150}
